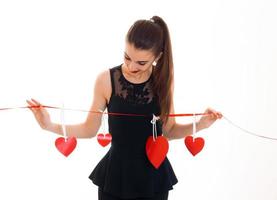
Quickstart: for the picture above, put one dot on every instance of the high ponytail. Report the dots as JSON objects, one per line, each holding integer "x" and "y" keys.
{"x": 153, "y": 35}
{"x": 163, "y": 73}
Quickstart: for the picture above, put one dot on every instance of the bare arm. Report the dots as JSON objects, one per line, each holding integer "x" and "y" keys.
{"x": 173, "y": 130}
{"x": 90, "y": 126}
{"x": 179, "y": 131}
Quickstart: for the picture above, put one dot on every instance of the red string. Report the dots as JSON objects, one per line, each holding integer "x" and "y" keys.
{"x": 109, "y": 113}
{"x": 129, "y": 114}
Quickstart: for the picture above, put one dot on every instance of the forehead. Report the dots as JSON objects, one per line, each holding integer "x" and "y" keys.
{"x": 138, "y": 54}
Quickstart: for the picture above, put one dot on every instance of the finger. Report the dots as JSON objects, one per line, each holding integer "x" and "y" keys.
{"x": 218, "y": 115}
{"x": 31, "y": 105}
{"x": 212, "y": 115}
{"x": 38, "y": 103}
{"x": 210, "y": 111}
{"x": 28, "y": 103}
{"x": 215, "y": 114}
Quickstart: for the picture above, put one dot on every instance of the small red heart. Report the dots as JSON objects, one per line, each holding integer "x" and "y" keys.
{"x": 156, "y": 150}
{"x": 66, "y": 146}
{"x": 194, "y": 145}
{"x": 104, "y": 140}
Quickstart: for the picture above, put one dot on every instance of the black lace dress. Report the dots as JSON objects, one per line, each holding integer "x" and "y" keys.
{"x": 125, "y": 170}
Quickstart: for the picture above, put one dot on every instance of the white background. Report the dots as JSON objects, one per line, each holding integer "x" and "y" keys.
{"x": 225, "y": 58}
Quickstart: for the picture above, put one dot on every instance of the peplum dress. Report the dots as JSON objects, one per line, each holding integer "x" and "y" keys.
{"x": 125, "y": 171}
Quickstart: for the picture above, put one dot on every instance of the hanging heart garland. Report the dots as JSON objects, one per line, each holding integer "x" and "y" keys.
{"x": 63, "y": 144}
{"x": 156, "y": 150}
{"x": 66, "y": 145}
{"x": 194, "y": 145}
{"x": 156, "y": 147}
{"x": 104, "y": 139}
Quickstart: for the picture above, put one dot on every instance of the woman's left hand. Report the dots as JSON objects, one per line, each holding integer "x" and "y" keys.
{"x": 207, "y": 120}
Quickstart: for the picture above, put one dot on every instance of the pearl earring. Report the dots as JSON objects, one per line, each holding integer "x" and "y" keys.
{"x": 154, "y": 63}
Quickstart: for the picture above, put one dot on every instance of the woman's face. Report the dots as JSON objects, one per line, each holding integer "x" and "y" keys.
{"x": 137, "y": 61}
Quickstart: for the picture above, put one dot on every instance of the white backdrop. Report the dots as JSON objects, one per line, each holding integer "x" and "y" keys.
{"x": 225, "y": 58}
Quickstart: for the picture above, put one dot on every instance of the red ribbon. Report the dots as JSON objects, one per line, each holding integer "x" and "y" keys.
{"x": 109, "y": 113}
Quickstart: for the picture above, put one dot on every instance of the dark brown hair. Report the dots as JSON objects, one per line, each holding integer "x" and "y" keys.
{"x": 153, "y": 35}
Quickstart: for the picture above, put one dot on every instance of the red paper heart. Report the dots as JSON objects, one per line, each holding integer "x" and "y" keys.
{"x": 156, "y": 150}
{"x": 194, "y": 145}
{"x": 104, "y": 140}
{"x": 66, "y": 146}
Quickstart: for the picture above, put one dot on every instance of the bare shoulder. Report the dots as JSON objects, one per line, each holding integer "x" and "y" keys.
{"x": 103, "y": 84}
{"x": 101, "y": 92}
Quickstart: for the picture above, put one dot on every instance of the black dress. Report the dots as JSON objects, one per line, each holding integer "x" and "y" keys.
{"x": 125, "y": 170}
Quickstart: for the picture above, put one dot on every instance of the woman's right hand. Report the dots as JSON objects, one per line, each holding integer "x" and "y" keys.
{"x": 40, "y": 113}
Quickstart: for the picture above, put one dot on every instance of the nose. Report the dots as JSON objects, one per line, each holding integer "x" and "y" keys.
{"x": 132, "y": 67}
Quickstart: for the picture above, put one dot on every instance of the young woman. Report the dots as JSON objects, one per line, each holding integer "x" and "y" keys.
{"x": 143, "y": 84}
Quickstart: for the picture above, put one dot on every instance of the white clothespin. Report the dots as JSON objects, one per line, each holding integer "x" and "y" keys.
{"x": 153, "y": 122}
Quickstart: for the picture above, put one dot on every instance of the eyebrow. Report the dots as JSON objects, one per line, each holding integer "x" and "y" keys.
{"x": 136, "y": 61}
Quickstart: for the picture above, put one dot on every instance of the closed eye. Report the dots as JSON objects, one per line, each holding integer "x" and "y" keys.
{"x": 141, "y": 63}
{"x": 127, "y": 58}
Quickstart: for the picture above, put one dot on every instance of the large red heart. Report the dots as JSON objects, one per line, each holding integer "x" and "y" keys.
{"x": 66, "y": 146}
{"x": 104, "y": 140}
{"x": 156, "y": 150}
{"x": 194, "y": 145}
